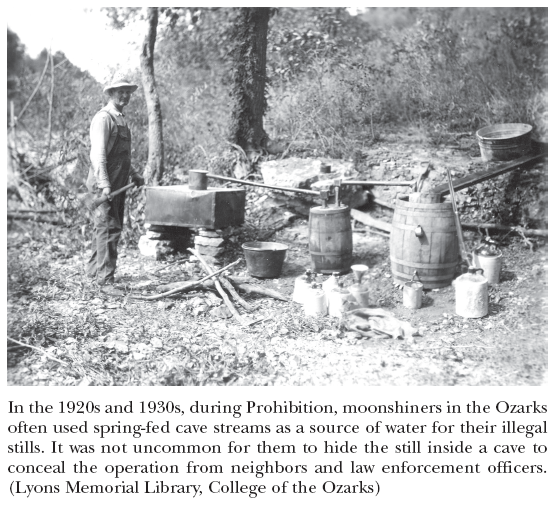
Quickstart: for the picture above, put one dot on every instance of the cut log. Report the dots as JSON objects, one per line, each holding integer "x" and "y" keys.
{"x": 368, "y": 220}
{"x": 503, "y": 227}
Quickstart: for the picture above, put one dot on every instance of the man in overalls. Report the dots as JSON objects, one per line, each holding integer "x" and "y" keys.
{"x": 110, "y": 170}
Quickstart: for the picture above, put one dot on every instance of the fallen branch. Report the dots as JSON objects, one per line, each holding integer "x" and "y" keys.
{"x": 240, "y": 283}
{"x": 368, "y": 220}
{"x": 36, "y": 218}
{"x": 455, "y": 347}
{"x": 259, "y": 290}
{"x": 503, "y": 227}
{"x": 171, "y": 263}
{"x": 37, "y": 349}
{"x": 187, "y": 285}
{"x": 247, "y": 306}
{"x": 36, "y": 211}
{"x": 220, "y": 289}
{"x": 238, "y": 279}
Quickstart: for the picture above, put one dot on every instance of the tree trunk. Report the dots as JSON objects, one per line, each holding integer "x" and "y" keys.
{"x": 155, "y": 166}
{"x": 249, "y": 78}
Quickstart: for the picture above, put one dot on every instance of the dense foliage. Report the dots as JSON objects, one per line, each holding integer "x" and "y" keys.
{"x": 336, "y": 84}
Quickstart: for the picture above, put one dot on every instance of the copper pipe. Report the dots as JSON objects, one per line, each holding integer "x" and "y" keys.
{"x": 249, "y": 183}
{"x": 378, "y": 183}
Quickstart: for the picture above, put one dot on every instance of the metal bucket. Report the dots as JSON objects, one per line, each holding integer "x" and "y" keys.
{"x": 412, "y": 294}
{"x": 504, "y": 142}
{"x": 264, "y": 259}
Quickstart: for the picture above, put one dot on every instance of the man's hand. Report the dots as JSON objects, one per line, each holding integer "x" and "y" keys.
{"x": 138, "y": 180}
{"x": 106, "y": 192}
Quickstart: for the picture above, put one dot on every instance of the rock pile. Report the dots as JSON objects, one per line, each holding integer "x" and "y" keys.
{"x": 305, "y": 173}
{"x": 159, "y": 242}
{"x": 211, "y": 244}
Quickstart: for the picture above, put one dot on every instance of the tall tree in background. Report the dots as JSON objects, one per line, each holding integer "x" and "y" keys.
{"x": 155, "y": 165}
{"x": 250, "y": 36}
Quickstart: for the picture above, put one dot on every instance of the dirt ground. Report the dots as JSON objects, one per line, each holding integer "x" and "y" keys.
{"x": 83, "y": 337}
{"x": 79, "y": 336}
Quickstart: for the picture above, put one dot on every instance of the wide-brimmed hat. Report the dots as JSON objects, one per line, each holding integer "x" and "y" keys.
{"x": 119, "y": 81}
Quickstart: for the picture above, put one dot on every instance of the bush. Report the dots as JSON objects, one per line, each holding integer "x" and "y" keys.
{"x": 451, "y": 70}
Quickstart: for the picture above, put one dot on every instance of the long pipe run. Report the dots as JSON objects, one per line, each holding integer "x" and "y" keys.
{"x": 378, "y": 183}
{"x": 249, "y": 183}
{"x": 308, "y": 191}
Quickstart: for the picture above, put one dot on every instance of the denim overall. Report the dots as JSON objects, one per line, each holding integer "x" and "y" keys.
{"x": 108, "y": 217}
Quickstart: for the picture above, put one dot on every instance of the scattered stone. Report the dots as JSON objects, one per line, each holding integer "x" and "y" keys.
{"x": 221, "y": 312}
{"x": 156, "y": 249}
{"x": 206, "y": 250}
{"x": 210, "y": 233}
{"x": 200, "y": 309}
{"x": 213, "y": 299}
{"x": 156, "y": 342}
{"x": 211, "y": 242}
{"x": 214, "y": 262}
{"x": 162, "y": 241}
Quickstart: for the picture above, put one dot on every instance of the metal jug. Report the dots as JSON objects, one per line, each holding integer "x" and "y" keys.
{"x": 302, "y": 285}
{"x": 471, "y": 294}
{"x": 330, "y": 284}
{"x": 338, "y": 300}
{"x": 315, "y": 301}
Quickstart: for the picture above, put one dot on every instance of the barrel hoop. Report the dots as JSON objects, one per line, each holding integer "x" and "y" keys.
{"x": 437, "y": 212}
{"x": 403, "y": 203}
{"x": 411, "y": 227}
{"x": 424, "y": 278}
{"x": 323, "y": 211}
{"x": 337, "y": 254}
{"x": 423, "y": 265}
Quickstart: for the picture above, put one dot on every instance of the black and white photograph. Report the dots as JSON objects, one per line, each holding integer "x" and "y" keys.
{"x": 277, "y": 196}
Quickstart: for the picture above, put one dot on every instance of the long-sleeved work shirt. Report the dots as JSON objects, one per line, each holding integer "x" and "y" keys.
{"x": 103, "y": 134}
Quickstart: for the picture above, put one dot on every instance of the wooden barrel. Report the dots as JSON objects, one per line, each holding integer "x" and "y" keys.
{"x": 330, "y": 239}
{"x": 423, "y": 238}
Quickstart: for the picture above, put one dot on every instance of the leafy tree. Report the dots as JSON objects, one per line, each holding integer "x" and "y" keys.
{"x": 248, "y": 55}
{"x": 16, "y": 52}
{"x": 155, "y": 165}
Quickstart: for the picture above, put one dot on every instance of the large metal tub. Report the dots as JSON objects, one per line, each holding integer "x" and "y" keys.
{"x": 212, "y": 208}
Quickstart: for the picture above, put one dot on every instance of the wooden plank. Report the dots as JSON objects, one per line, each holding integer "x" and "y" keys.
{"x": 472, "y": 179}
{"x": 368, "y": 220}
